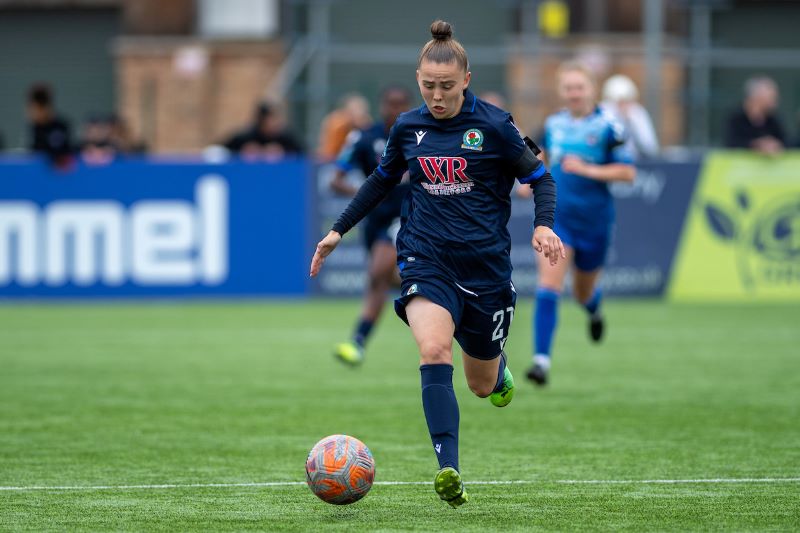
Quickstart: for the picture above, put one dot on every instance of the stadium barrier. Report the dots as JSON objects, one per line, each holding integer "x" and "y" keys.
{"x": 742, "y": 235}
{"x": 153, "y": 229}
{"x": 650, "y": 215}
{"x": 726, "y": 228}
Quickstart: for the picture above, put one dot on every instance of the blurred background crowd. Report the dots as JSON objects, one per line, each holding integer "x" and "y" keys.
{"x": 267, "y": 79}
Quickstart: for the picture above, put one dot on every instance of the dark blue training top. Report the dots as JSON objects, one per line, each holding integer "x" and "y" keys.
{"x": 363, "y": 151}
{"x": 461, "y": 180}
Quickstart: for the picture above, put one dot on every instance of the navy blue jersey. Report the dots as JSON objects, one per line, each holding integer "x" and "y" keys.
{"x": 461, "y": 181}
{"x": 363, "y": 151}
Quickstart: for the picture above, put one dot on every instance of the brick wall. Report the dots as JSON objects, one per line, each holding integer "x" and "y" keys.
{"x": 532, "y": 82}
{"x": 181, "y": 94}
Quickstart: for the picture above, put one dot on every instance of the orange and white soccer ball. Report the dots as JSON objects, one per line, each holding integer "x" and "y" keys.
{"x": 340, "y": 469}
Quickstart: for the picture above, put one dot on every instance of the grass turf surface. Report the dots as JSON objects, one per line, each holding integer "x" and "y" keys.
{"x": 236, "y": 393}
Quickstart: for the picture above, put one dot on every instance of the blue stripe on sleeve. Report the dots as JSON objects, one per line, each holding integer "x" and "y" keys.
{"x": 385, "y": 175}
{"x": 535, "y": 175}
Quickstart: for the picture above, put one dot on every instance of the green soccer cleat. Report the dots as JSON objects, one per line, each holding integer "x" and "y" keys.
{"x": 504, "y": 396}
{"x": 349, "y": 353}
{"x": 449, "y": 487}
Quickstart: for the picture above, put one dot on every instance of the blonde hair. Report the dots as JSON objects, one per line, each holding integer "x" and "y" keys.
{"x": 442, "y": 48}
{"x": 576, "y": 66}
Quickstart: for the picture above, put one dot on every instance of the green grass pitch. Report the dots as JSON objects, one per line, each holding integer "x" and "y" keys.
{"x": 223, "y": 393}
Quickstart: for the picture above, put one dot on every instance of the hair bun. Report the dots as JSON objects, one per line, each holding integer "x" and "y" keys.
{"x": 441, "y": 31}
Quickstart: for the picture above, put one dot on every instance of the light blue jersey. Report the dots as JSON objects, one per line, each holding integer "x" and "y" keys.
{"x": 585, "y": 206}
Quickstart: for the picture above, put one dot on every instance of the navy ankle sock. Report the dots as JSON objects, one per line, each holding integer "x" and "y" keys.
{"x": 363, "y": 329}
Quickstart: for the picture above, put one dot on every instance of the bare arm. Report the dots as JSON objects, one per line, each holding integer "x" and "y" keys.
{"x": 608, "y": 172}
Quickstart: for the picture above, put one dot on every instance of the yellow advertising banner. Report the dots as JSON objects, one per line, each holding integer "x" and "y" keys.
{"x": 741, "y": 240}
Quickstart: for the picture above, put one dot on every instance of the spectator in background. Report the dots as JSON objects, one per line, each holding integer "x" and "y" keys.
{"x": 49, "y": 134}
{"x": 755, "y": 125}
{"x": 96, "y": 146}
{"x": 104, "y": 138}
{"x": 120, "y": 136}
{"x": 267, "y": 138}
{"x": 352, "y": 114}
{"x": 620, "y": 98}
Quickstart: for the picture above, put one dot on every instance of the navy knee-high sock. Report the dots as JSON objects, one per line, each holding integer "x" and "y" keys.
{"x": 441, "y": 412}
{"x": 544, "y": 320}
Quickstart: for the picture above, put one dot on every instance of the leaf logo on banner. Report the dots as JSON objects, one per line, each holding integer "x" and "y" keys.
{"x": 766, "y": 243}
{"x": 722, "y": 224}
{"x": 743, "y": 200}
{"x": 776, "y": 234}
{"x": 725, "y": 226}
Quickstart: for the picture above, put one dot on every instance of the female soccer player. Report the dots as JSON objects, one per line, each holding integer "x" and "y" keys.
{"x": 453, "y": 248}
{"x": 364, "y": 152}
{"x": 585, "y": 147}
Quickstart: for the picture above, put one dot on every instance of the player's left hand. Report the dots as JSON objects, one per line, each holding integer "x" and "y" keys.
{"x": 546, "y": 242}
{"x": 575, "y": 165}
{"x": 324, "y": 249}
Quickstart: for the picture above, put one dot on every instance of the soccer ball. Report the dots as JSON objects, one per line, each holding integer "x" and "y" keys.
{"x": 340, "y": 469}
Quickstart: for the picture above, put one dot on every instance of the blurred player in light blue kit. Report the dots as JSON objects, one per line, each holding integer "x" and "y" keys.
{"x": 585, "y": 149}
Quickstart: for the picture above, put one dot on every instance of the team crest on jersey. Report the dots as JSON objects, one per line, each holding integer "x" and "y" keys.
{"x": 412, "y": 290}
{"x": 473, "y": 140}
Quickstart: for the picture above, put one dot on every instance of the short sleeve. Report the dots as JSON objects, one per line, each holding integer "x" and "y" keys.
{"x": 618, "y": 150}
{"x": 511, "y": 141}
{"x": 393, "y": 163}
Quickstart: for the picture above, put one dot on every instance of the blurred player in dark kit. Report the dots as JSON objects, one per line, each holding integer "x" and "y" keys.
{"x": 363, "y": 151}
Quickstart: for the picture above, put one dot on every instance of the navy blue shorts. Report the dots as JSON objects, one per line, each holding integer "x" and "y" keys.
{"x": 590, "y": 249}
{"x": 482, "y": 320}
{"x": 379, "y": 230}
{"x": 383, "y": 222}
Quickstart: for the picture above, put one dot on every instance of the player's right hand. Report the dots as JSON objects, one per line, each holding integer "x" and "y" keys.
{"x": 546, "y": 242}
{"x": 324, "y": 249}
